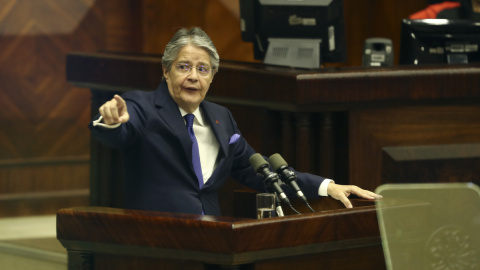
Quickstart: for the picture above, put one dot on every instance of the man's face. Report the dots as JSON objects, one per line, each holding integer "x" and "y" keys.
{"x": 188, "y": 88}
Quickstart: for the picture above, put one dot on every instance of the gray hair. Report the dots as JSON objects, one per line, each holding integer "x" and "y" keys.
{"x": 183, "y": 37}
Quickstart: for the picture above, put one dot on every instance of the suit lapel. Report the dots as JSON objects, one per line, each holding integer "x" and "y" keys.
{"x": 168, "y": 110}
{"x": 217, "y": 123}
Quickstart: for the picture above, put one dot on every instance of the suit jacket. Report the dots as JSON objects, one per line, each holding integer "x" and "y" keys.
{"x": 156, "y": 151}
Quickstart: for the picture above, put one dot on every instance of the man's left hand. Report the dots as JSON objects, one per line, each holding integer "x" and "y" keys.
{"x": 342, "y": 192}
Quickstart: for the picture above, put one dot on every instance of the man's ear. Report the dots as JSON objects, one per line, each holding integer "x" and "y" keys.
{"x": 165, "y": 73}
{"x": 213, "y": 75}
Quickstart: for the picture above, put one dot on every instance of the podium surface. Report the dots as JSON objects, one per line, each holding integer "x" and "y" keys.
{"x": 111, "y": 238}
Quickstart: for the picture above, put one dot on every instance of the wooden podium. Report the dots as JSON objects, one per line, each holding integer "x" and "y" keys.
{"x": 331, "y": 122}
{"x": 332, "y": 238}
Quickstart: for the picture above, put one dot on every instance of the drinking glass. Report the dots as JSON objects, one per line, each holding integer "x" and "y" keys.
{"x": 265, "y": 205}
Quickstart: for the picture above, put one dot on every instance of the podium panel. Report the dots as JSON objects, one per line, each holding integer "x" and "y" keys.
{"x": 430, "y": 226}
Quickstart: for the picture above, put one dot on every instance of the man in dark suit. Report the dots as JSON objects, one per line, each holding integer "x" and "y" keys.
{"x": 166, "y": 169}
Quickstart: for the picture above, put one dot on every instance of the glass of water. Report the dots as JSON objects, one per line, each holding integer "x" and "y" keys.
{"x": 265, "y": 205}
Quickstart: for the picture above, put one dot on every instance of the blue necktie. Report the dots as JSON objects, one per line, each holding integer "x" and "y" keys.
{"x": 195, "y": 152}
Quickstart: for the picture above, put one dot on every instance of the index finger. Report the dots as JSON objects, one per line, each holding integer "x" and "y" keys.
{"x": 120, "y": 101}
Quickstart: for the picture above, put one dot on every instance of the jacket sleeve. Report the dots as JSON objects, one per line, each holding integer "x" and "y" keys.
{"x": 125, "y": 134}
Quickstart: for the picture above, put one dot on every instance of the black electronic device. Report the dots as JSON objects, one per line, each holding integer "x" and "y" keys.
{"x": 439, "y": 41}
{"x": 301, "y": 34}
{"x": 377, "y": 52}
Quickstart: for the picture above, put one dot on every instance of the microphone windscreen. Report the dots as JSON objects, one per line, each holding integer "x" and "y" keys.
{"x": 257, "y": 161}
{"x": 276, "y": 161}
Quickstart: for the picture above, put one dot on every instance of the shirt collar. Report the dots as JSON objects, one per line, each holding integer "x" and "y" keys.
{"x": 197, "y": 113}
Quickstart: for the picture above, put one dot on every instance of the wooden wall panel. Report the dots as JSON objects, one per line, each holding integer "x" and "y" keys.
{"x": 43, "y": 174}
{"x": 221, "y": 20}
{"x": 122, "y": 24}
{"x": 44, "y": 141}
{"x": 43, "y": 120}
{"x": 161, "y": 19}
{"x": 432, "y": 163}
{"x": 375, "y": 128}
{"x": 375, "y": 18}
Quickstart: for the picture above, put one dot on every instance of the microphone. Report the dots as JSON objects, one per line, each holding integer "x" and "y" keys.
{"x": 271, "y": 179}
{"x": 281, "y": 167}
{"x": 278, "y": 205}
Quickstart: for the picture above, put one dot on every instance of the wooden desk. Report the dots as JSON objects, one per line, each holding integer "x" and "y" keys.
{"x": 332, "y": 122}
{"x": 109, "y": 238}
